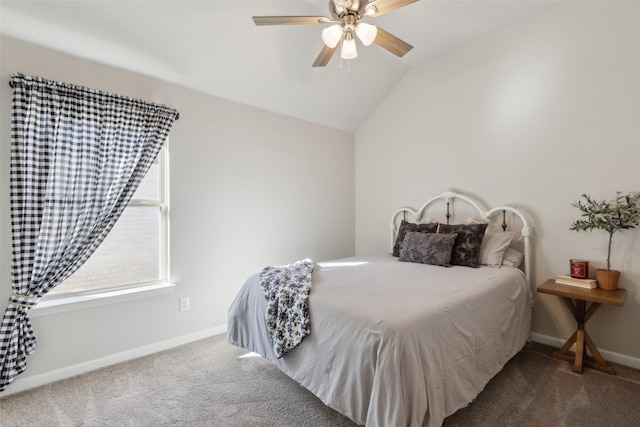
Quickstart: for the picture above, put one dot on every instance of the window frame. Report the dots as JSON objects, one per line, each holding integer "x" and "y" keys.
{"x": 68, "y": 301}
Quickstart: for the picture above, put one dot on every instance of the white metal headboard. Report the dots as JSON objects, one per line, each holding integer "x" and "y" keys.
{"x": 487, "y": 215}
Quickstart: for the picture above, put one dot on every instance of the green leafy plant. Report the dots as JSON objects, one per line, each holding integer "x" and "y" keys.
{"x": 621, "y": 213}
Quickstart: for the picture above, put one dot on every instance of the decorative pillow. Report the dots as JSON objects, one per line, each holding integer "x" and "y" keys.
{"x": 467, "y": 247}
{"x": 428, "y": 248}
{"x": 493, "y": 247}
{"x": 512, "y": 257}
{"x": 410, "y": 226}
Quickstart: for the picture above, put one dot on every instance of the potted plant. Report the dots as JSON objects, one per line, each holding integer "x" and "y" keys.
{"x": 621, "y": 213}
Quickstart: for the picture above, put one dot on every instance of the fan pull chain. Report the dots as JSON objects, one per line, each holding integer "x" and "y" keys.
{"x": 348, "y": 65}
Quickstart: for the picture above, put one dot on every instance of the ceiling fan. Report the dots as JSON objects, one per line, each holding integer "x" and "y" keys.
{"x": 345, "y": 17}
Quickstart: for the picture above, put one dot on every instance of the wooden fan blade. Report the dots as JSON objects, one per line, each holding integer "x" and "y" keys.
{"x": 392, "y": 43}
{"x": 289, "y": 20}
{"x": 383, "y": 6}
{"x": 325, "y": 56}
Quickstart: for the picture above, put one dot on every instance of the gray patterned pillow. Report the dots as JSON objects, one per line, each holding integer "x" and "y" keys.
{"x": 410, "y": 226}
{"x": 428, "y": 248}
{"x": 466, "y": 251}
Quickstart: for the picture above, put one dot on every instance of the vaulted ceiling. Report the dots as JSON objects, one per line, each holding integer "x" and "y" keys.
{"x": 214, "y": 47}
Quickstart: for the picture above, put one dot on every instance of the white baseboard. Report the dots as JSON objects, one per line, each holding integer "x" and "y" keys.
{"x": 611, "y": 356}
{"x": 22, "y": 384}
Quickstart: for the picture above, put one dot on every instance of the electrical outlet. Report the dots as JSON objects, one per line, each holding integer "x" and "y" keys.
{"x": 184, "y": 303}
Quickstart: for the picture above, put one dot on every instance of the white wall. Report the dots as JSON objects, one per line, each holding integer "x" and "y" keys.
{"x": 533, "y": 116}
{"x": 248, "y": 188}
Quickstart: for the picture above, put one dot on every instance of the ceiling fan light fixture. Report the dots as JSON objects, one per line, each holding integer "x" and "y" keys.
{"x": 332, "y": 35}
{"x": 349, "y": 47}
{"x": 366, "y": 33}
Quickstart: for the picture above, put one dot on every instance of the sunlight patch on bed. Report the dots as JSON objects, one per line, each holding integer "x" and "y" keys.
{"x": 248, "y": 355}
{"x": 342, "y": 264}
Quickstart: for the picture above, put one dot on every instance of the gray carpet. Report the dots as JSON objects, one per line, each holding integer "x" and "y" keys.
{"x": 208, "y": 383}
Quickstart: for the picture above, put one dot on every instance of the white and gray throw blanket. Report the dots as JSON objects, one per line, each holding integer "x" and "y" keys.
{"x": 286, "y": 289}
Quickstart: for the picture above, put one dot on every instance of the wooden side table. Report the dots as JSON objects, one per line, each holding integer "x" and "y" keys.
{"x": 576, "y": 298}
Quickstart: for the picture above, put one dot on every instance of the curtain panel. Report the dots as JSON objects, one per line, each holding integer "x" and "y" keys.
{"x": 77, "y": 157}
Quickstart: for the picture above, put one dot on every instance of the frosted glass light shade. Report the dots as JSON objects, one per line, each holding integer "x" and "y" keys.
{"x": 332, "y": 35}
{"x": 366, "y": 33}
{"x": 349, "y": 47}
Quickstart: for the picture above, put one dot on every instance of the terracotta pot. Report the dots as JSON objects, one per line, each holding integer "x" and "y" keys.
{"x": 607, "y": 279}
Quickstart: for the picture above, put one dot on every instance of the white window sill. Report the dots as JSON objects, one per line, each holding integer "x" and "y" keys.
{"x": 64, "y": 303}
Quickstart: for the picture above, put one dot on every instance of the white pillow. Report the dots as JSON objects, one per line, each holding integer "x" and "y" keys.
{"x": 493, "y": 248}
{"x": 512, "y": 257}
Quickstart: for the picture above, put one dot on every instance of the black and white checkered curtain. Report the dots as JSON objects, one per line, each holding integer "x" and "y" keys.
{"x": 77, "y": 157}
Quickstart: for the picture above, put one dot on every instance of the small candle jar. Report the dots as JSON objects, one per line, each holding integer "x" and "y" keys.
{"x": 579, "y": 269}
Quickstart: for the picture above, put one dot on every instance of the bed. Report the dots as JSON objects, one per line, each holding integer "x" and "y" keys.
{"x": 397, "y": 343}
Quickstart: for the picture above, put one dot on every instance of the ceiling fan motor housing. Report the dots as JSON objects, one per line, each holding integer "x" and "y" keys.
{"x": 340, "y": 8}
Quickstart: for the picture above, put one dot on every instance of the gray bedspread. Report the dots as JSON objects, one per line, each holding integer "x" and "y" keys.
{"x": 393, "y": 343}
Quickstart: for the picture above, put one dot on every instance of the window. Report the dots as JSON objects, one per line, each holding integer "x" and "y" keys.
{"x": 136, "y": 251}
